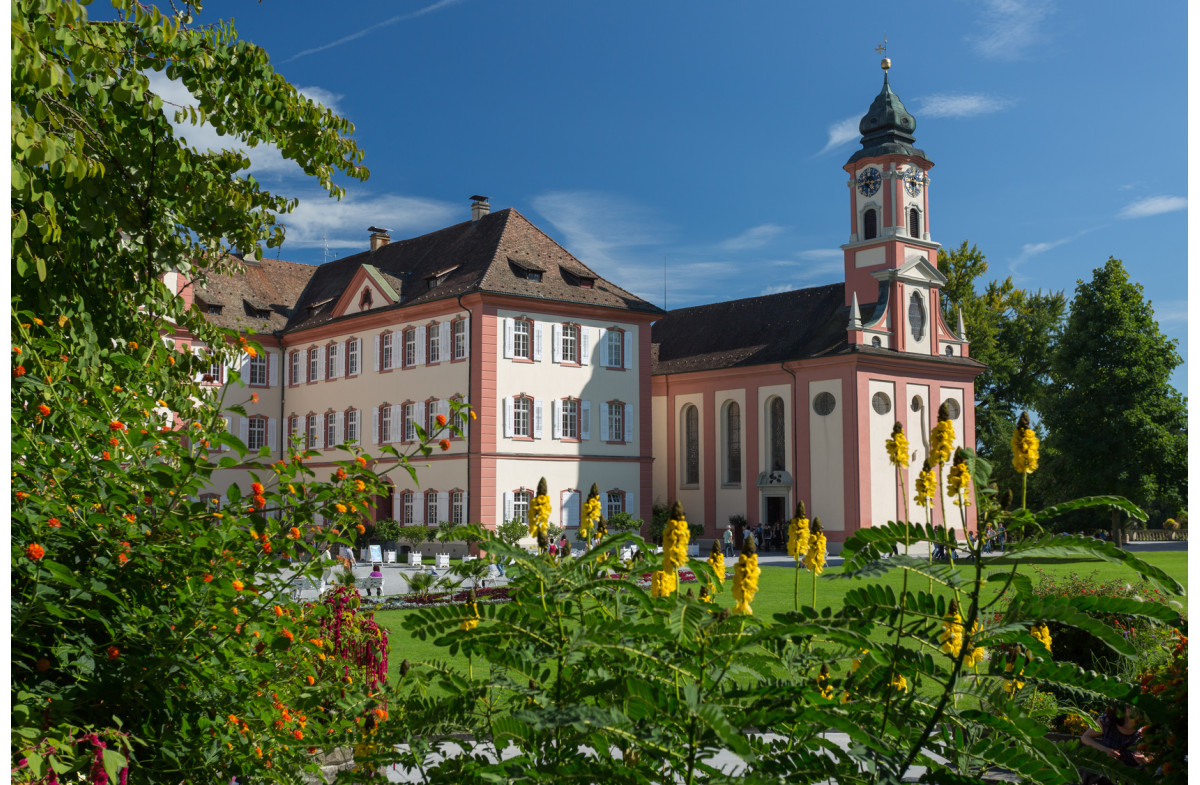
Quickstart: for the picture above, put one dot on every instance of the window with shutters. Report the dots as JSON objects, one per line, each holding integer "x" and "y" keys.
{"x": 570, "y": 344}
{"x": 256, "y": 433}
{"x": 521, "y": 506}
{"x": 312, "y": 431}
{"x": 332, "y": 437}
{"x": 406, "y": 507}
{"x": 452, "y": 420}
{"x": 258, "y": 370}
{"x": 458, "y": 508}
{"x": 570, "y": 418}
{"x": 614, "y": 502}
{"x": 914, "y": 222}
{"x": 410, "y": 347}
{"x": 352, "y": 425}
{"x": 294, "y": 373}
{"x": 431, "y": 413}
{"x": 691, "y": 445}
{"x": 431, "y": 508}
{"x": 460, "y": 339}
{"x": 387, "y": 342}
{"x": 352, "y": 358}
{"x": 385, "y": 423}
{"x": 293, "y": 429}
{"x": 314, "y": 364}
{"x": 614, "y": 349}
{"x": 332, "y": 355}
{"x": 522, "y": 339}
{"x": 870, "y": 224}
{"x": 616, "y": 421}
{"x": 775, "y": 420}
{"x": 733, "y": 443}
{"x": 523, "y": 416}
{"x": 434, "y": 337}
{"x": 410, "y": 422}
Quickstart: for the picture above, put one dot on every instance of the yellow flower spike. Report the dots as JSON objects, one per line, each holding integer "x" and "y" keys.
{"x": 675, "y": 539}
{"x": 798, "y": 534}
{"x": 745, "y": 578}
{"x": 473, "y": 622}
{"x": 823, "y": 685}
{"x": 663, "y": 583}
{"x": 899, "y": 683}
{"x": 897, "y": 447}
{"x": 951, "y": 636}
{"x": 975, "y": 655}
{"x": 815, "y": 558}
{"x": 716, "y": 559}
{"x": 926, "y": 484}
{"x": 1042, "y": 633}
{"x": 1024, "y": 446}
{"x": 539, "y": 511}
{"x": 958, "y": 484}
{"x": 591, "y": 513}
{"x": 941, "y": 441}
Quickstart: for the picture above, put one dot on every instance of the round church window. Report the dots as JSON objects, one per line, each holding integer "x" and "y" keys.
{"x": 953, "y": 409}
{"x": 824, "y": 404}
{"x": 881, "y": 403}
{"x": 917, "y": 403}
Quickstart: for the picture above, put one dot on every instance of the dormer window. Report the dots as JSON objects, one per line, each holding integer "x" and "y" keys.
{"x": 533, "y": 275}
{"x": 215, "y": 310}
{"x": 870, "y": 227}
{"x": 587, "y": 283}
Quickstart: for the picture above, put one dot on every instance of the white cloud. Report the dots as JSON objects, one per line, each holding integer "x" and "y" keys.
{"x": 1030, "y": 250}
{"x": 754, "y": 237}
{"x": 319, "y": 219}
{"x": 1011, "y": 27}
{"x": 1153, "y": 205}
{"x": 600, "y": 229}
{"x": 779, "y": 289}
{"x": 1173, "y": 314}
{"x": 959, "y": 105}
{"x": 440, "y": 4}
{"x": 842, "y": 132}
{"x": 822, "y": 253}
{"x": 265, "y": 159}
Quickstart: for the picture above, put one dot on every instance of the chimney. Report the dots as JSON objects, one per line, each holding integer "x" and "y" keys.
{"x": 379, "y": 237}
{"x": 479, "y": 207}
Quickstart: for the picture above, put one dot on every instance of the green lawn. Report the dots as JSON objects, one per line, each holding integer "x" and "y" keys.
{"x": 776, "y": 595}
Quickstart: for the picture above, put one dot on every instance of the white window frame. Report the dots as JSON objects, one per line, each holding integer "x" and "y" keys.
{"x": 385, "y": 424}
{"x": 431, "y": 508}
{"x": 435, "y": 343}
{"x": 521, "y": 501}
{"x": 312, "y": 431}
{"x": 314, "y": 364}
{"x": 332, "y": 370}
{"x": 332, "y": 437}
{"x": 460, "y": 339}
{"x": 406, "y": 506}
{"x": 387, "y": 344}
{"x": 353, "y": 356}
{"x": 611, "y": 508}
{"x": 410, "y": 422}
{"x": 615, "y": 351}
{"x": 570, "y": 344}
{"x": 410, "y": 347}
{"x": 615, "y": 425}
{"x": 570, "y": 415}
{"x": 458, "y": 507}
{"x": 250, "y": 432}
{"x": 519, "y": 338}
{"x": 352, "y": 425}
{"x": 259, "y": 366}
{"x": 522, "y": 416}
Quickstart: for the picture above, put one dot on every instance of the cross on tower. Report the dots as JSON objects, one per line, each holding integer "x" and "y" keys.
{"x": 882, "y": 48}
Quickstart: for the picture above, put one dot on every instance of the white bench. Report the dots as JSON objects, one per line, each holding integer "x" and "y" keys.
{"x": 367, "y": 584}
{"x": 626, "y": 554}
{"x": 302, "y": 583}
{"x": 693, "y": 549}
{"x": 441, "y": 561}
{"x": 414, "y": 559}
{"x": 468, "y": 558}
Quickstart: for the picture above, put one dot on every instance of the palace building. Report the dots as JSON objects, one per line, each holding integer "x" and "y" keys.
{"x": 736, "y": 408}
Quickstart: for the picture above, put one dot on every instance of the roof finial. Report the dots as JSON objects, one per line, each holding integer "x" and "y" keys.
{"x": 886, "y": 62}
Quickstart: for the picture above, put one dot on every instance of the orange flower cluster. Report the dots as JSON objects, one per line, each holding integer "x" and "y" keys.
{"x": 53, "y": 523}
{"x": 44, "y": 409}
{"x": 35, "y": 551}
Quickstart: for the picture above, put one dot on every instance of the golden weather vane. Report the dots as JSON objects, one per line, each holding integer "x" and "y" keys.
{"x": 886, "y": 63}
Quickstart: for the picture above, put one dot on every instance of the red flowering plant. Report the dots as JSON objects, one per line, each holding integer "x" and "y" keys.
{"x": 1164, "y": 704}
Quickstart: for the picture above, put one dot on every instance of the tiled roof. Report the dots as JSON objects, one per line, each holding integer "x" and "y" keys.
{"x": 269, "y": 286}
{"x": 772, "y": 328}
{"x": 487, "y": 255}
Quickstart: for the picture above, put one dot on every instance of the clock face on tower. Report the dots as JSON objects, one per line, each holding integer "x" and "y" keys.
{"x": 868, "y": 181}
{"x": 913, "y": 177}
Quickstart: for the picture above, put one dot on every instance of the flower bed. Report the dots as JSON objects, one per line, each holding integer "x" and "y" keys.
{"x": 488, "y": 595}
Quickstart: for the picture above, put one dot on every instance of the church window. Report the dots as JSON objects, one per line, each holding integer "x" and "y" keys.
{"x": 733, "y": 443}
{"x": 778, "y": 433}
{"x": 952, "y": 408}
{"x": 870, "y": 227}
{"x": 917, "y": 403}
{"x": 916, "y": 316}
{"x": 824, "y": 404}
{"x": 691, "y": 446}
{"x": 881, "y": 403}
{"x": 914, "y": 222}
{"x": 875, "y": 341}
{"x": 949, "y": 351}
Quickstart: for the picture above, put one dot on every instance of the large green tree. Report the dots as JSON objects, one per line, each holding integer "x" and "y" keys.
{"x": 1116, "y": 425}
{"x": 1013, "y": 332}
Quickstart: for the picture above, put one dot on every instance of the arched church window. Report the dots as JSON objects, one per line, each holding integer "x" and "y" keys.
{"x": 914, "y": 222}
{"x": 916, "y": 316}
{"x": 870, "y": 227}
{"x": 875, "y": 341}
{"x": 778, "y": 433}
{"x": 949, "y": 351}
{"x": 691, "y": 446}
{"x": 733, "y": 443}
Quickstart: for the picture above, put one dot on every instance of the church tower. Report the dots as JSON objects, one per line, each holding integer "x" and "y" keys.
{"x": 892, "y": 280}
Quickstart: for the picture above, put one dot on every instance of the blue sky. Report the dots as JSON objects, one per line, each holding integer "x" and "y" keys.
{"x": 712, "y": 135}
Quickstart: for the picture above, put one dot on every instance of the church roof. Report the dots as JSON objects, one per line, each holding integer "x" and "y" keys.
{"x": 493, "y": 254}
{"x": 887, "y": 127}
{"x": 773, "y": 328}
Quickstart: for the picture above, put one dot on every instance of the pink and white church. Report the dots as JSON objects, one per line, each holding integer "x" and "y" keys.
{"x": 761, "y": 402}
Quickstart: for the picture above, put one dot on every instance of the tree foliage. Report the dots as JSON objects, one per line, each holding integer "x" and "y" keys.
{"x": 1116, "y": 424}
{"x": 1013, "y": 332}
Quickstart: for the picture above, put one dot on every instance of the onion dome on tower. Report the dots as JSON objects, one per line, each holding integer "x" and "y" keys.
{"x": 887, "y": 127}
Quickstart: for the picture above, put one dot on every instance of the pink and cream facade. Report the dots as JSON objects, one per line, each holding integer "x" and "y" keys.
{"x": 491, "y": 312}
{"x": 760, "y": 403}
